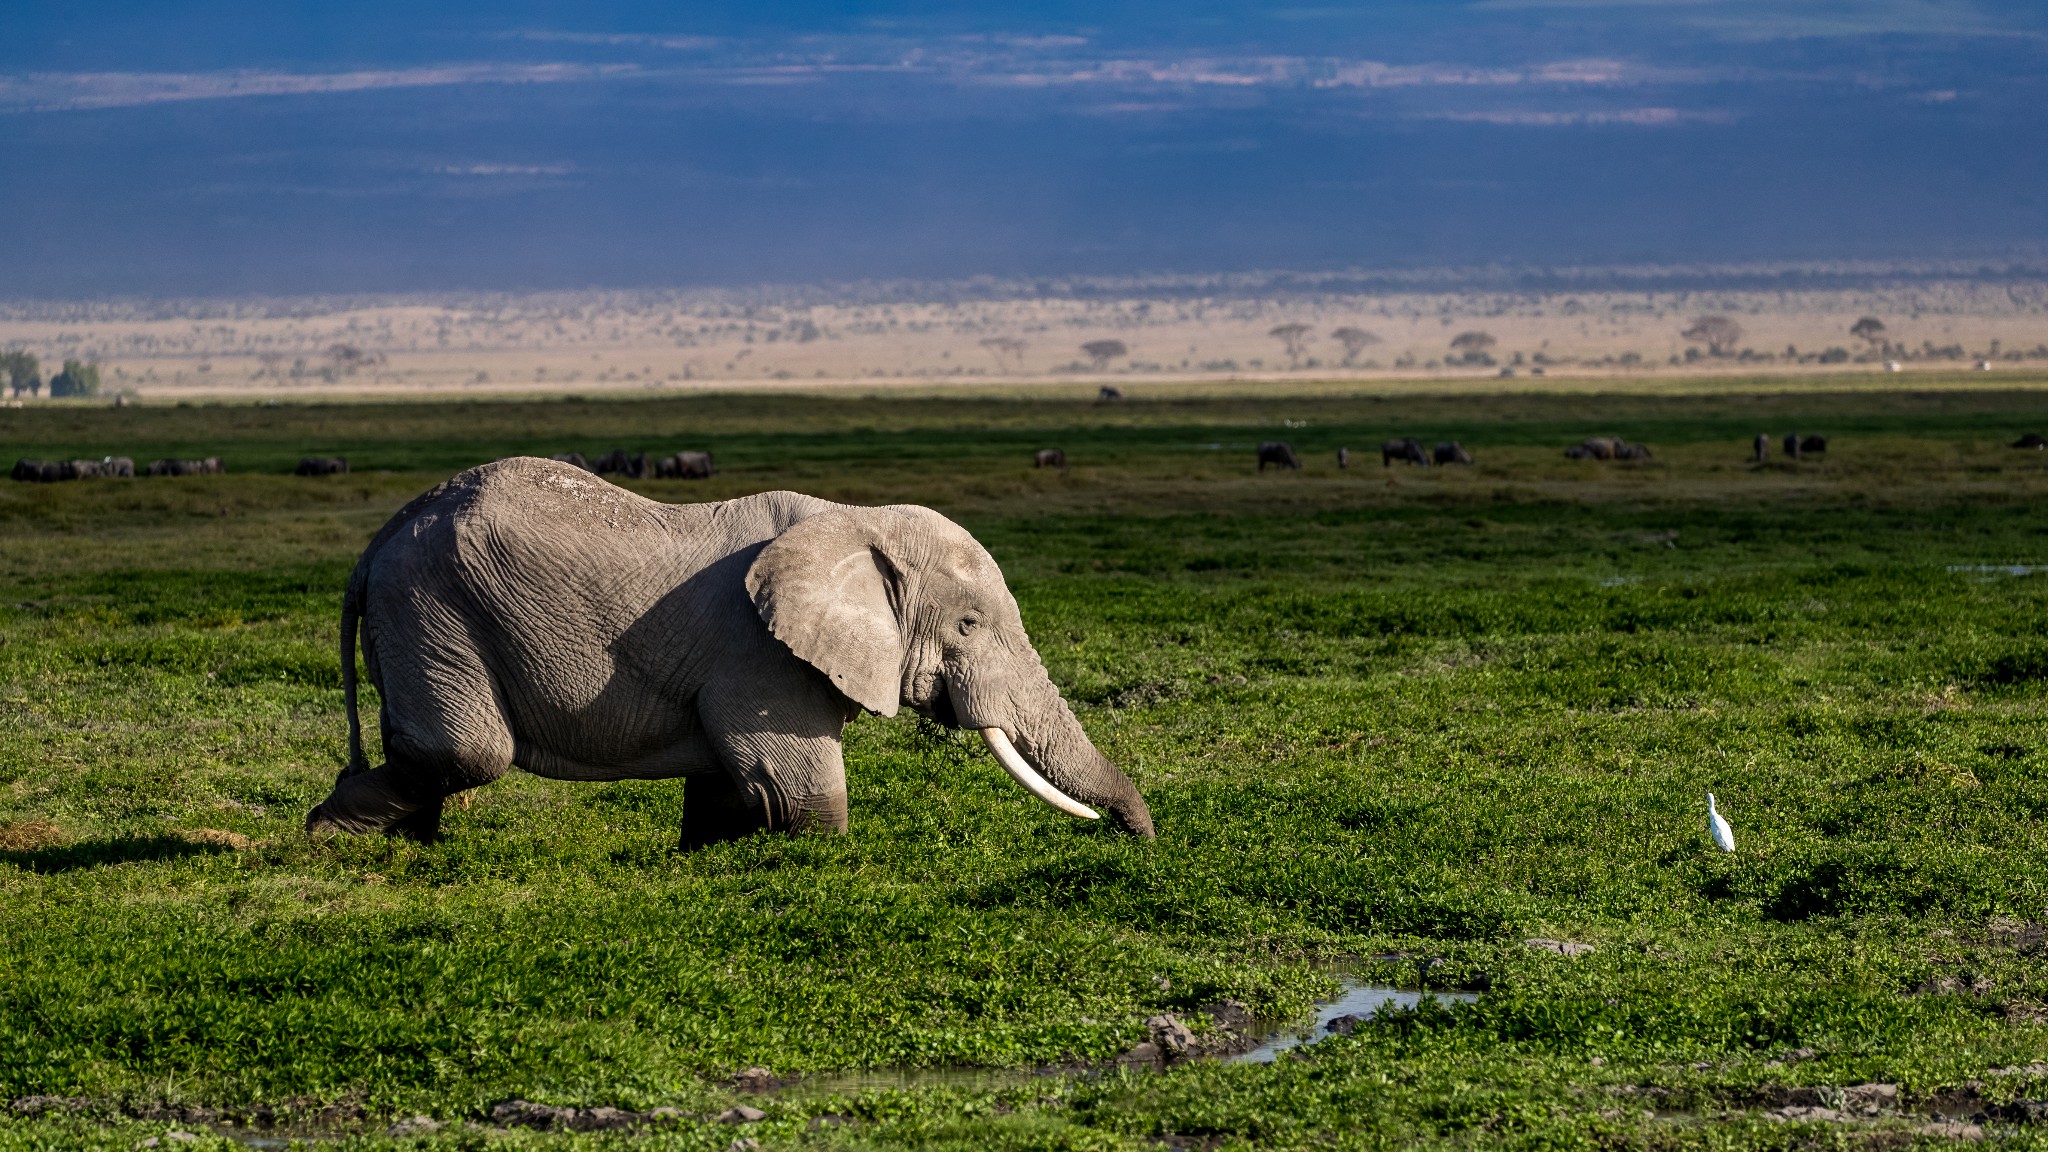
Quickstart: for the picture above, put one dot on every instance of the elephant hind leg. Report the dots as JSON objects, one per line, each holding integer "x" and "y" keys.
{"x": 438, "y": 741}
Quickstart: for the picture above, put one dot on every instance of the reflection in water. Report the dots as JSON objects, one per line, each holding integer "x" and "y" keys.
{"x": 1270, "y": 1039}
{"x": 1361, "y": 1000}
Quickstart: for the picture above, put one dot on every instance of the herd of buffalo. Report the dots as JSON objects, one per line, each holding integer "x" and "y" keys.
{"x": 698, "y": 466}
{"x": 681, "y": 466}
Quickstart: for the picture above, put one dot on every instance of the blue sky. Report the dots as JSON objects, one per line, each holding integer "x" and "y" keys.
{"x": 226, "y": 148}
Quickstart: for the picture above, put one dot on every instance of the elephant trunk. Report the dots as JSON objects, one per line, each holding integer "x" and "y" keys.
{"x": 1043, "y": 747}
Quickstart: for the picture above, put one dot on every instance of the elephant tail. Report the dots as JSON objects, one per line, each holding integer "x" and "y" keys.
{"x": 351, "y": 618}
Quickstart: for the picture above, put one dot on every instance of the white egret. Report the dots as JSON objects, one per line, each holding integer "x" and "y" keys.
{"x": 1724, "y": 836}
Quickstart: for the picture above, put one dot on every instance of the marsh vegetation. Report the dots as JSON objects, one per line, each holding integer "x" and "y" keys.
{"x": 1399, "y": 722}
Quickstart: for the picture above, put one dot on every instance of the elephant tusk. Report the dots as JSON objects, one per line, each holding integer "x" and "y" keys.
{"x": 1025, "y": 774}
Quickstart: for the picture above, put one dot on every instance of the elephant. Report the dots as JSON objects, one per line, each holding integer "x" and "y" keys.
{"x": 1623, "y": 450}
{"x": 121, "y": 467}
{"x": 1407, "y": 448}
{"x": 574, "y": 458}
{"x": 1594, "y": 448}
{"x": 209, "y": 466}
{"x": 526, "y": 613}
{"x": 1762, "y": 448}
{"x": 1451, "y": 452}
{"x": 1050, "y": 458}
{"x": 79, "y": 470}
{"x": 685, "y": 466}
{"x": 37, "y": 471}
{"x": 1813, "y": 444}
{"x": 1279, "y": 454}
{"x": 2031, "y": 440}
{"x": 322, "y": 466}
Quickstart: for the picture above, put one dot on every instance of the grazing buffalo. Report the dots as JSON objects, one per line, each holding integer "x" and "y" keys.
{"x": 321, "y": 466}
{"x": 120, "y": 467}
{"x": 210, "y": 466}
{"x": 1106, "y": 394}
{"x": 685, "y": 466}
{"x": 37, "y": 471}
{"x": 1607, "y": 448}
{"x": 1813, "y": 444}
{"x": 1407, "y": 448}
{"x": 617, "y": 461}
{"x": 1050, "y": 458}
{"x": 2031, "y": 440}
{"x": 573, "y": 459}
{"x": 1451, "y": 452}
{"x": 1279, "y": 454}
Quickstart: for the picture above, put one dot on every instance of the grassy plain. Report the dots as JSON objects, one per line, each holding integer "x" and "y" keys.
{"x": 1376, "y": 712}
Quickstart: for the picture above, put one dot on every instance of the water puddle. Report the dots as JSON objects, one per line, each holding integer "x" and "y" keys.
{"x": 1268, "y": 1039}
{"x": 1998, "y": 569}
{"x": 1363, "y": 1001}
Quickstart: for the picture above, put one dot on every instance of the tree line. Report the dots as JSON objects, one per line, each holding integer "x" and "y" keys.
{"x": 24, "y": 373}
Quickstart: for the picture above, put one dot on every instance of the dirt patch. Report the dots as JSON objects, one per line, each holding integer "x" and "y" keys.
{"x": 28, "y": 835}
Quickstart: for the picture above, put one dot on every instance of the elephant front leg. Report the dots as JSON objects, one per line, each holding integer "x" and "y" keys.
{"x": 784, "y": 771}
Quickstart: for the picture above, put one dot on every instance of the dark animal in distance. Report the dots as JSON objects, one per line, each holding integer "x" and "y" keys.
{"x": 617, "y": 461}
{"x": 2031, "y": 440}
{"x": 1763, "y": 448}
{"x": 37, "y": 471}
{"x": 321, "y": 466}
{"x": 1791, "y": 445}
{"x": 1813, "y": 444}
{"x": 574, "y": 459}
{"x": 1279, "y": 454}
{"x": 1607, "y": 448}
{"x": 120, "y": 467}
{"x": 1050, "y": 458}
{"x": 211, "y": 466}
{"x": 1343, "y": 457}
{"x": 1106, "y": 394}
{"x": 1407, "y": 448}
{"x": 1451, "y": 452}
{"x": 685, "y": 466}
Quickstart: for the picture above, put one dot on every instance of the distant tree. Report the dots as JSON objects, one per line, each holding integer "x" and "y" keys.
{"x": 1004, "y": 349}
{"x": 1470, "y": 348}
{"x": 1101, "y": 352}
{"x": 24, "y": 373}
{"x": 1354, "y": 340}
{"x": 1720, "y": 334}
{"x": 1293, "y": 338}
{"x": 77, "y": 379}
{"x": 1870, "y": 330}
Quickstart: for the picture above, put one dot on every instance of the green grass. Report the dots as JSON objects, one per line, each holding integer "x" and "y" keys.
{"x": 1374, "y": 712}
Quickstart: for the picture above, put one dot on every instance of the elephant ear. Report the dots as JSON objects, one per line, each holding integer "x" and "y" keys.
{"x": 823, "y": 588}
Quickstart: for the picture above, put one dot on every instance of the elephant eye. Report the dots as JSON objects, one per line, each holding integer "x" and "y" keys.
{"x": 968, "y": 624}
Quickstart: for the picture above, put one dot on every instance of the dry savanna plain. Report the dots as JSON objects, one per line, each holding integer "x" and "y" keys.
{"x": 1443, "y": 729}
{"x": 997, "y": 335}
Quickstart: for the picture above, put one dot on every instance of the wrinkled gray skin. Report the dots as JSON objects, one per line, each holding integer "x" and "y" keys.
{"x": 527, "y": 613}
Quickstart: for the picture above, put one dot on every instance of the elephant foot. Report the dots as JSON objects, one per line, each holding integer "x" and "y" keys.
{"x": 365, "y": 803}
{"x": 819, "y": 814}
